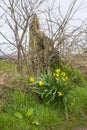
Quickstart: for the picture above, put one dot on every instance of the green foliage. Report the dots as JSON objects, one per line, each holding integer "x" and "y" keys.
{"x": 20, "y": 106}
{"x": 75, "y": 76}
{"x": 6, "y": 66}
{"x": 79, "y": 101}
{"x": 19, "y": 115}
{"x": 56, "y": 61}
{"x": 29, "y": 112}
{"x": 18, "y": 102}
{"x": 52, "y": 87}
{"x": 77, "y": 106}
{"x": 23, "y": 111}
{"x": 10, "y": 122}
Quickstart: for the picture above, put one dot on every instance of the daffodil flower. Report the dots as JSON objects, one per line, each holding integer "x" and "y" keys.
{"x": 60, "y": 94}
{"x": 57, "y": 70}
{"x": 57, "y": 75}
{"x": 66, "y": 78}
{"x": 63, "y": 74}
{"x": 41, "y": 83}
{"x": 31, "y": 79}
{"x": 63, "y": 79}
{"x": 57, "y": 79}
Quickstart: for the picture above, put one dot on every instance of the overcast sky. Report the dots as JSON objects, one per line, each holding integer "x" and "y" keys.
{"x": 81, "y": 14}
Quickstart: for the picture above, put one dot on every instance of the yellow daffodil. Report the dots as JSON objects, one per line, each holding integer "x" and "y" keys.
{"x": 63, "y": 74}
{"x": 66, "y": 78}
{"x": 57, "y": 79}
{"x": 57, "y": 75}
{"x": 57, "y": 70}
{"x": 41, "y": 83}
{"x": 31, "y": 79}
{"x": 60, "y": 94}
{"x": 63, "y": 79}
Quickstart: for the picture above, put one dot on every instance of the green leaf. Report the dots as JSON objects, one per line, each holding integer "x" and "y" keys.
{"x": 19, "y": 115}
{"x": 29, "y": 112}
{"x": 49, "y": 93}
{"x": 36, "y": 123}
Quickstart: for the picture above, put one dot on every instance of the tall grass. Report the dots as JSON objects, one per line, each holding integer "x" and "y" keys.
{"x": 43, "y": 117}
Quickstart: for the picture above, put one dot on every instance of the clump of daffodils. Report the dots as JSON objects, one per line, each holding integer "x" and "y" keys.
{"x": 64, "y": 77}
{"x": 52, "y": 87}
{"x": 60, "y": 75}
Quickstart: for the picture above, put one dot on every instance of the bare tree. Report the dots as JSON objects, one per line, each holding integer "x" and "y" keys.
{"x": 17, "y": 16}
{"x": 68, "y": 39}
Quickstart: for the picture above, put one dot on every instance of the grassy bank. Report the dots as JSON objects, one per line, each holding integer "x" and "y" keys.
{"x": 24, "y": 110}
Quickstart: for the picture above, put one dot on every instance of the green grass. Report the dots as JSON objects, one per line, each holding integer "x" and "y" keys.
{"x": 6, "y": 66}
{"x": 44, "y": 117}
{"x": 79, "y": 102}
{"x": 25, "y": 111}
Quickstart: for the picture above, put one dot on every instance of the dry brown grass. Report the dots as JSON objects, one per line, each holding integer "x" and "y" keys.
{"x": 80, "y": 62}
